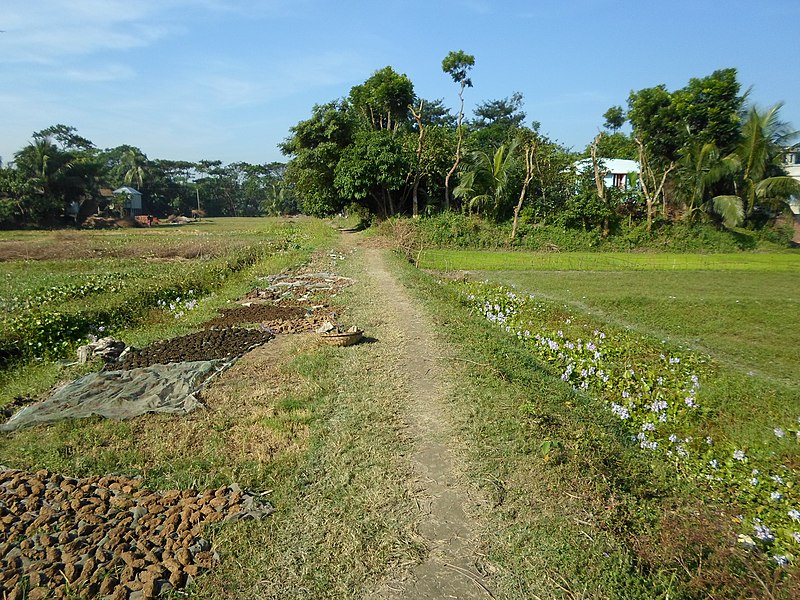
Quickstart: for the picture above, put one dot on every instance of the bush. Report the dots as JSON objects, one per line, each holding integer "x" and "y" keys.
{"x": 457, "y": 230}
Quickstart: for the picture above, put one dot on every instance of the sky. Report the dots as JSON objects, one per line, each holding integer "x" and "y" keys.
{"x": 226, "y": 79}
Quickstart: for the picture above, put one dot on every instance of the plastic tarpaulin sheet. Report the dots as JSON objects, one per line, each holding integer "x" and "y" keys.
{"x": 170, "y": 388}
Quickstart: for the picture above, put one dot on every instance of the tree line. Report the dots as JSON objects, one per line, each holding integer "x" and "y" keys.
{"x": 705, "y": 154}
{"x": 60, "y": 169}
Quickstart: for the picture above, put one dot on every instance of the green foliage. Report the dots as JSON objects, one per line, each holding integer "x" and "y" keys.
{"x": 496, "y": 121}
{"x": 614, "y": 119}
{"x": 383, "y": 99}
{"x": 656, "y": 391}
{"x": 705, "y": 111}
{"x": 615, "y": 145}
{"x": 485, "y": 180}
{"x": 458, "y": 64}
{"x": 373, "y": 169}
{"x": 453, "y": 230}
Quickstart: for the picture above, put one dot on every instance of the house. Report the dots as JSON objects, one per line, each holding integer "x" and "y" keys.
{"x": 615, "y": 171}
{"x": 131, "y": 200}
{"x": 791, "y": 164}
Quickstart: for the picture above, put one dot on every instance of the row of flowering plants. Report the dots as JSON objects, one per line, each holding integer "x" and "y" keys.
{"x": 657, "y": 392}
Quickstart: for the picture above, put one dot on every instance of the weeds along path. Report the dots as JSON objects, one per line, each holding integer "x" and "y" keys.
{"x": 449, "y": 569}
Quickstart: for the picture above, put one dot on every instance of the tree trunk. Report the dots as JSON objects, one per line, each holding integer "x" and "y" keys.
{"x": 459, "y": 139}
{"x": 418, "y": 175}
{"x": 529, "y": 152}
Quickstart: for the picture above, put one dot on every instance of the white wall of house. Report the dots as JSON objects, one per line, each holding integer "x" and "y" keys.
{"x": 615, "y": 170}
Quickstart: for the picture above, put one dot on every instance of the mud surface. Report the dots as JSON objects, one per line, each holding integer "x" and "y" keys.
{"x": 288, "y": 318}
{"x": 203, "y": 345}
{"x": 107, "y": 536}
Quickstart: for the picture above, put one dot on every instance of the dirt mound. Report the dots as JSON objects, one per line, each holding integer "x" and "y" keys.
{"x": 107, "y": 536}
{"x": 204, "y": 345}
{"x": 257, "y": 313}
{"x": 302, "y": 286}
{"x": 285, "y": 317}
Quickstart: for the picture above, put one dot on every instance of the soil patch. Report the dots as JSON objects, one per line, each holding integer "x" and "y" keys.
{"x": 204, "y": 345}
{"x": 107, "y": 536}
{"x": 287, "y": 318}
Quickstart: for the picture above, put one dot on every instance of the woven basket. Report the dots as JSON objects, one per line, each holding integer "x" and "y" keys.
{"x": 342, "y": 339}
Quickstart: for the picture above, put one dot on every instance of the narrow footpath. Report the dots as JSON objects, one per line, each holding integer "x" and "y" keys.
{"x": 446, "y": 501}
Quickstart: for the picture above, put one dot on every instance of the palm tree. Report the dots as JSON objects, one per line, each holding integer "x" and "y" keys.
{"x": 133, "y": 162}
{"x": 483, "y": 184}
{"x": 46, "y": 169}
{"x": 761, "y": 179}
{"x": 699, "y": 168}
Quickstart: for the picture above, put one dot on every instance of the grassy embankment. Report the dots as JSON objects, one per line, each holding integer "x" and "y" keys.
{"x": 744, "y": 315}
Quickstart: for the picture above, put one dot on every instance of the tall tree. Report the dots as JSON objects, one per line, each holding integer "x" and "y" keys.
{"x": 496, "y": 121}
{"x": 457, "y": 64}
{"x": 134, "y": 164}
{"x": 315, "y": 146}
{"x": 761, "y": 180}
{"x": 614, "y": 119}
{"x": 383, "y": 99}
{"x": 373, "y": 170}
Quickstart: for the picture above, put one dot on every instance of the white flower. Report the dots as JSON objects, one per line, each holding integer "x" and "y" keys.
{"x": 714, "y": 463}
{"x": 739, "y": 455}
{"x": 779, "y": 433}
{"x": 794, "y": 514}
{"x": 763, "y": 533}
{"x": 775, "y": 496}
{"x": 781, "y": 560}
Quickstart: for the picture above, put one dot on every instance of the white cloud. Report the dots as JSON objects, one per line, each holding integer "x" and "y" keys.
{"x": 99, "y": 73}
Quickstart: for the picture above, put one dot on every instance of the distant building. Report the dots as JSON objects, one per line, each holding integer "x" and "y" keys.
{"x": 615, "y": 171}
{"x": 791, "y": 163}
{"x": 131, "y": 200}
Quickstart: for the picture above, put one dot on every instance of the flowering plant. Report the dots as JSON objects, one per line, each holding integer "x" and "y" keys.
{"x": 656, "y": 391}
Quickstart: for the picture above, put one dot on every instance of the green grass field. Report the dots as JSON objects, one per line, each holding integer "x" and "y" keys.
{"x": 477, "y": 260}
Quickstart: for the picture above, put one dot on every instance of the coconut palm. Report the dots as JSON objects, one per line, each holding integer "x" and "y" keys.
{"x": 134, "y": 162}
{"x": 761, "y": 180}
{"x": 700, "y": 167}
{"x": 483, "y": 183}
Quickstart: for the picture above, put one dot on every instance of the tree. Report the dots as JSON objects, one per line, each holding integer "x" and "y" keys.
{"x": 530, "y": 150}
{"x": 614, "y": 145}
{"x": 134, "y": 162}
{"x": 54, "y": 178}
{"x": 760, "y": 179}
{"x": 457, "y": 64}
{"x": 383, "y": 99}
{"x": 614, "y": 118}
{"x": 373, "y": 169}
{"x": 652, "y": 181}
{"x": 699, "y": 168}
{"x": 316, "y": 145}
{"x": 496, "y": 122}
{"x": 485, "y": 182}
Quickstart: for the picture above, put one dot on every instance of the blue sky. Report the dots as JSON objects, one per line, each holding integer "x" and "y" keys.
{"x": 225, "y": 79}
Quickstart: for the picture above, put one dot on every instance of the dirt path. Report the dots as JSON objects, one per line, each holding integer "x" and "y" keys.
{"x": 445, "y": 500}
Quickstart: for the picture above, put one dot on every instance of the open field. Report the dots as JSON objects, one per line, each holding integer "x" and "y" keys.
{"x": 559, "y": 496}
